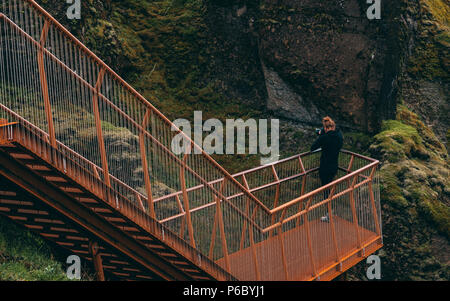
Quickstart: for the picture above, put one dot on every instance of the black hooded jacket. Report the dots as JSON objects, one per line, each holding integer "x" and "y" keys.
{"x": 331, "y": 144}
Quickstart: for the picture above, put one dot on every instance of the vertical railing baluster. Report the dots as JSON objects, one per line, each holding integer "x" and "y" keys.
{"x": 353, "y": 206}
{"x": 252, "y": 245}
{"x": 186, "y": 202}
{"x": 372, "y": 201}
{"x": 44, "y": 84}
{"x": 148, "y": 186}
{"x": 98, "y": 126}
{"x": 277, "y": 195}
{"x": 247, "y": 208}
{"x": 308, "y": 238}
{"x": 281, "y": 241}
{"x": 222, "y": 233}
{"x": 216, "y": 220}
{"x": 333, "y": 230}
{"x": 302, "y": 192}
{"x": 213, "y": 237}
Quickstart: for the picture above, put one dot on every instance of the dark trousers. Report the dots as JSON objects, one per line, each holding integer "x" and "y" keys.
{"x": 326, "y": 178}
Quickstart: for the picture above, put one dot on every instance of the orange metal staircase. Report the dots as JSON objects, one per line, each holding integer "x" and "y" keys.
{"x": 86, "y": 162}
{"x": 38, "y": 190}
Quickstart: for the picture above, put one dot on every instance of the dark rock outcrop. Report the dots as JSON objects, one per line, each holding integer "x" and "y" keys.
{"x": 333, "y": 57}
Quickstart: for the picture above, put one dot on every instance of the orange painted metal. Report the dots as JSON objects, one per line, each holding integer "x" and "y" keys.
{"x": 253, "y": 248}
{"x": 277, "y": 193}
{"x": 283, "y": 253}
{"x": 157, "y": 143}
{"x": 98, "y": 126}
{"x": 143, "y": 151}
{"x": 215, "y": 224}
{"x": 374, "y": 209}
{"x": 186, "y": 204}
{"x": 222, "y": 233}
{"x": 183, "y": 221}
{"x": 325, "y": 268}
{"x": 308, "y": 240}
{"x": 333, "y": 229}
{"x": 97, "y": 259}
{"x": 44, "y": 84}
{"x": 213, "y": 235}
{"x": 355, "y": 217}
{"x": 244, "y": 228}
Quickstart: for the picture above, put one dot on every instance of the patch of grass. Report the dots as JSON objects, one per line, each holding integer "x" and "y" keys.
{"x": 24, "y": 256}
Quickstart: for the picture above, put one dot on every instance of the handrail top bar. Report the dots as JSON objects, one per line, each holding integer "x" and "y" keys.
{"x": 295, "y": 157}
{"x": 320, "y": 189}
{"x": 8, "y": 124}
{"x": 274, "y": 163}
{"x": 143, "y": 100}
{"x": 360, "y": 156}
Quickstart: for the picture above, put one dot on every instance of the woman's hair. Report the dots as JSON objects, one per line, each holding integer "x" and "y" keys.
{"x": 329, "y": 124}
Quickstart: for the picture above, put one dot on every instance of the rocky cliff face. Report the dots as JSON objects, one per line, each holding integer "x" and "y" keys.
{"x": 333, "y": 57}
{"x": 385, "y": 81}
{"x": 425, "y": 76}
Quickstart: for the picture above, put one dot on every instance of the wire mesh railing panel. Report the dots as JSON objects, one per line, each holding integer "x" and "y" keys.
{"x": 339, "y": 218}
{"x": 20, "y": 88}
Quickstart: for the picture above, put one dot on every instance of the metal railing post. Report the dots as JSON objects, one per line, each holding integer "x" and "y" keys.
{"x": 354, "y": 215}
{"x": 44, "y": 84}
{"x": 186, "y": 202}
{"x": 252, "y": 245}
{"x": 281, "y": 241}
{"x": 372, "y": 201}
{"x": 333, "y": 230}
{"x": 277, "y": 195}
{"x": 98, "y": 126}
{"x": 247, "y": 208}
{"x": 308, "y": 238}
{"x": 148, "y": 186}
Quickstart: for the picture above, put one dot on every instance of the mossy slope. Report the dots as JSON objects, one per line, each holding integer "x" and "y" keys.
{"x": 415, "y": 197}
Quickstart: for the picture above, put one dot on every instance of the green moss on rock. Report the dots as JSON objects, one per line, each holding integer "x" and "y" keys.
{"x": 431, "y": 57}
{"x": 407, "y": 138}
{"x": 415, "y": 198}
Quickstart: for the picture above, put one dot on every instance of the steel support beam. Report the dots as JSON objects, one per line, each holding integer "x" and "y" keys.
{"x": 86, "y": 219}
{"x": 94, "y": 249}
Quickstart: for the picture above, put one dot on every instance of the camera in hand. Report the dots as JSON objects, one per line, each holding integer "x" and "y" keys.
{"x": 320, "y": 131}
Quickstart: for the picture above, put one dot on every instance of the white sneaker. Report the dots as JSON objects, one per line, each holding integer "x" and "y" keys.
{"x": 325, "y": 219}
